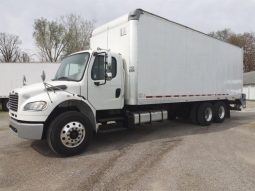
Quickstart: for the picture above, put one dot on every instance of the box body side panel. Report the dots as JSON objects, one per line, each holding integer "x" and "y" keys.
{"x": 176, "y": 64}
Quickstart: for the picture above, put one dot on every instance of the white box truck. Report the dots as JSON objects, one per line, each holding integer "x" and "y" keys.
{"x": 15, "y": 75}
{"x": 141, "y": 68}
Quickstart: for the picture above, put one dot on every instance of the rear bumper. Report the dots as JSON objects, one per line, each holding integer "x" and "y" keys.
{"x": 27, "y": 130}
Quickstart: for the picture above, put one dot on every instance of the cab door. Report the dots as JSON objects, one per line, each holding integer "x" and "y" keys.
{"x": 105, "y": 94}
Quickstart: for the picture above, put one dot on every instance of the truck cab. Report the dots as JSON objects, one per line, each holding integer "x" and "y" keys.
{"x": 64, "y": 110}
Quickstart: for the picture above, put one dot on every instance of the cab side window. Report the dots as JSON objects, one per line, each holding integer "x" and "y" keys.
{"x": 98, "y": 68}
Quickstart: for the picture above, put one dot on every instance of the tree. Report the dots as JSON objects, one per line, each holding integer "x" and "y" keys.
{"x": 50, "y": 38}
{"x": 79, "y": 31}
{"x": 24, "y": 57}
{"x": 9, "y": 47}
{"x": 245, "y": 41}
{"x": 222, "y": 34}
{"x": 64, "y": 36}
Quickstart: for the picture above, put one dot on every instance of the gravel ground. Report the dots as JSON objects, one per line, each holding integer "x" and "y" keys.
{"x": 173, "y": 155}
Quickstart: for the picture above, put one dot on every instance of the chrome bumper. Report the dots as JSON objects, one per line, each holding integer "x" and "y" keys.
{"x": 27, "y": 130}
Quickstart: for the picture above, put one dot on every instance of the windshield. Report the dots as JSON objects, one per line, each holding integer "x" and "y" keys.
{"x": 72, "y": 67}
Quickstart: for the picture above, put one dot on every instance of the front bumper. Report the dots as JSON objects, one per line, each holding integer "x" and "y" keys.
{"x": 27, "y": 130}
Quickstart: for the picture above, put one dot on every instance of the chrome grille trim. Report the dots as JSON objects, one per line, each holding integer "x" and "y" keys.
{"x": 13, "y": 101}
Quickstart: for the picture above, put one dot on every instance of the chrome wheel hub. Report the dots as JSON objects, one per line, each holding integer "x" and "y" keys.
{"x": 208, "y": 114}
{"x": 72, "y": 134}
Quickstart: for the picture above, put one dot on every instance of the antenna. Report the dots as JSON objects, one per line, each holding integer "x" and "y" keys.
{"x": 43, "y": 76}
{"x": 45, "y": 85}
{"x": 24, "y": 80}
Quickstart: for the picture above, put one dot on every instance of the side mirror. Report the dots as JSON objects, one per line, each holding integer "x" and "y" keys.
{"x": 43, "y": 76}
{"x": 108, "y": 76}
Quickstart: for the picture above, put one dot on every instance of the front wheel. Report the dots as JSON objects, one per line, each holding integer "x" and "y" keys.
{"x": 69, "y": 133}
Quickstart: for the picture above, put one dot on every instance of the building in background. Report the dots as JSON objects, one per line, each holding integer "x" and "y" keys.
{"x": 249, "y": 85}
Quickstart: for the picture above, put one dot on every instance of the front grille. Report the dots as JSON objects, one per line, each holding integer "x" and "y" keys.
{"x": 13, "y": 102}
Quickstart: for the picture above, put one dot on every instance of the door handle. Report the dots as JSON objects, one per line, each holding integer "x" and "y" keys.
{"x": 117, "y": 92}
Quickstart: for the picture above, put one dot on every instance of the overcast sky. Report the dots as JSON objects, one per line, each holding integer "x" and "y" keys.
{"x": 17, "y": 16}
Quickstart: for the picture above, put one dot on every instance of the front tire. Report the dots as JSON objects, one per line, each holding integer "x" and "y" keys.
{"x": 69, "y": 133}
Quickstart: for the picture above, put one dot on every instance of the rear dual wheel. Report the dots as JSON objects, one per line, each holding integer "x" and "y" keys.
{"x": 220, "y": 111}
{"x": 205, "y": 113}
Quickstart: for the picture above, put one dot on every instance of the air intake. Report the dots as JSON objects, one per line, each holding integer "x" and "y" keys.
{"x": 13, "y": 102}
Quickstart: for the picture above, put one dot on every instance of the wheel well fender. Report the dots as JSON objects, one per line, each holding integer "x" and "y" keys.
{"x": 71, "y": 105}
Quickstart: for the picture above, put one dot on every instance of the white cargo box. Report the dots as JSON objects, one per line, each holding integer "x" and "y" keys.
{"x": 11, "y": 75}
{"x": 168, "y": 62}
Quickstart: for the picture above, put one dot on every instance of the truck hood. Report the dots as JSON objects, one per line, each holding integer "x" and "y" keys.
{"x": 38, "y": 88}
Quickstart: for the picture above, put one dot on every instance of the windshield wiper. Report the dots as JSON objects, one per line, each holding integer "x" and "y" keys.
{"x": 63, "y": 78}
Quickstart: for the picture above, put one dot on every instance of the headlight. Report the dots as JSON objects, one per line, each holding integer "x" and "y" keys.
{"x": 35, "y": 106}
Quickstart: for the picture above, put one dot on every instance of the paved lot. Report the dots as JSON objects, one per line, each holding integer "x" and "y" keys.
{"x": 173, "y": 155}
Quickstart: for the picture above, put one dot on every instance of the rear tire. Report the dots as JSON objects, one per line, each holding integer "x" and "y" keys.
{"x": 69, "y": 133}
{"x": 205, "y": 114}
{"x": 220, "y": 111}
{"x": 171, "y": 115}
{"x": 193, "y": 113}
{"x": 5, "y": 105}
